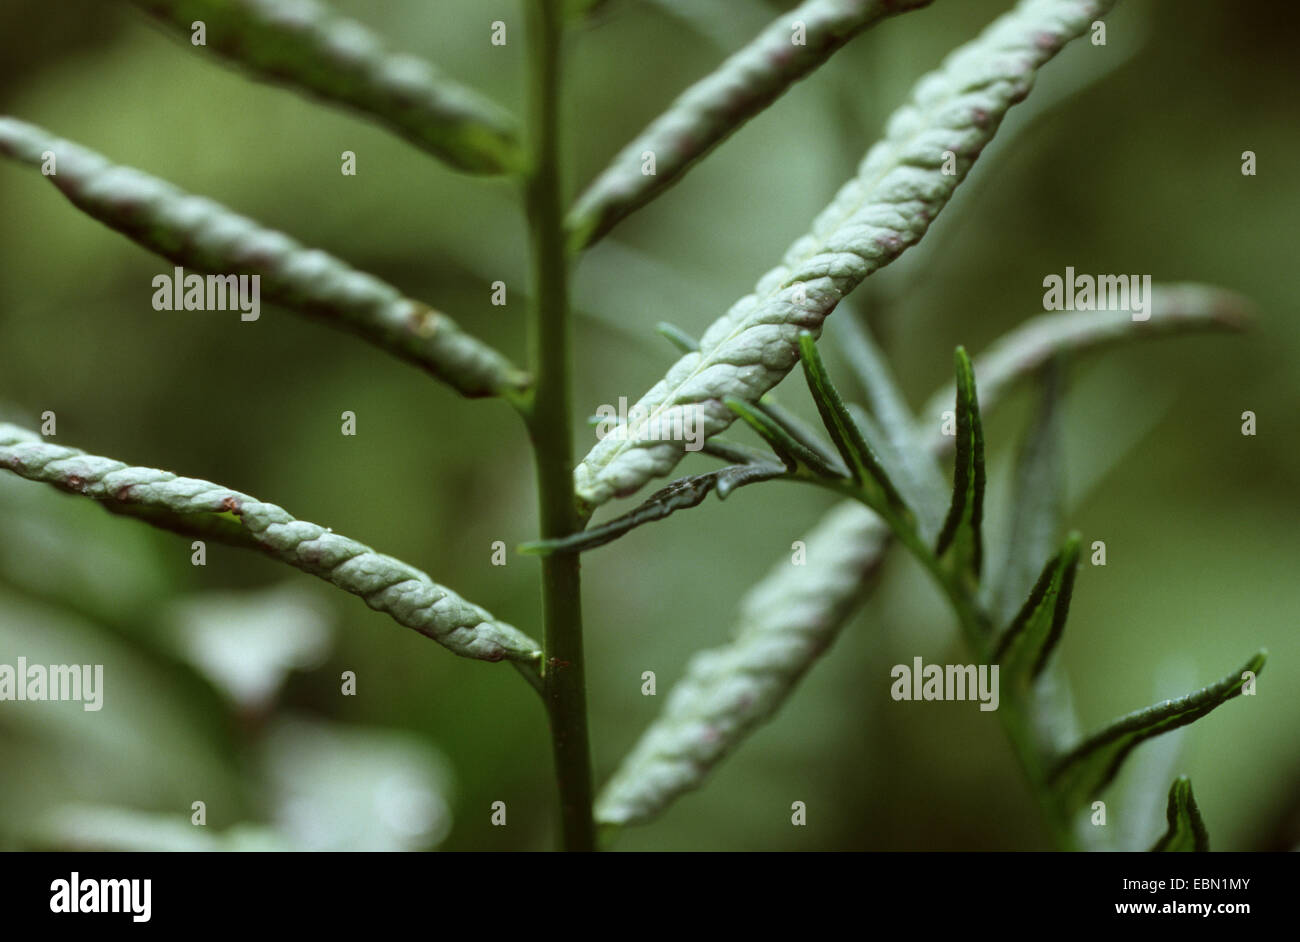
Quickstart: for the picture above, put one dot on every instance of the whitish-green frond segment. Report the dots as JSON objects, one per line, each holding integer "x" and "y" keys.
{"x": 1175, "y": 308}
{"x": 306, "y": 44}
{"x": 900, "y": 188}
{"x": 784, "y": 625}
{"x": 714, "y": 107}
{"x": 386, "y": 584}
{"x": 658, "y": 754}
{"x": 205, "y": 236}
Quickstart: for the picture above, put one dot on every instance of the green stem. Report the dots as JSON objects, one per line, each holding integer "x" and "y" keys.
{"x": 976, "y": 627}
{"x": 548, "y": 417}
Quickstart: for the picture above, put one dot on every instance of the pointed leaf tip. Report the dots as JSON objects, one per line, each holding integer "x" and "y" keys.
{"x": 1186, "y": 831}
{"x": 790, "y": 450}
{"x": 1094, "y": 763}
{"x": 1032, "y": 636}
{"x": 863, "y": 463}
{"x": 964, "y": 522}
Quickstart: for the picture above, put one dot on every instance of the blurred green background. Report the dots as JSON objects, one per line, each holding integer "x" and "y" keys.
{"x": 222, "y": 683}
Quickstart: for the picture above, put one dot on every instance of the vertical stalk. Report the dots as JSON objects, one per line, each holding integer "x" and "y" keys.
{"x": 975, "y": 626}
{"x": 548, "y": 416}
{"x": 1012, "y": 714}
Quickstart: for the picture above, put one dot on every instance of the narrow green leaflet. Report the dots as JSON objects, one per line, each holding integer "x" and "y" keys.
{"x": 736, "y": 453}
{"x": 708, "y": 112}
{"x": 794, "y": 445}
{"x": 861, "y": 460}
{"x": 927, "y": 507}
{"x": 678, "y": 337}
{"x": 1186, "y": 827}
{"x": 1028, "y": 641}
{"x": 660, "y": 767}
{"x": 1038, "y": 512}
{"x": 768, "y": 406}
{"x": 900, "y": 188}
{"x": 207, "y": 237}
{"x": 963, "y": 527}
{"x": 306, "y": 45}
{"x": 912, "y": 468}
{"x": 1088, "y": 768}
{"x": 1175, "y": 309}
{"x": 202, "y": 509}
{"x": 682, "y": 493}
{"x": 784, "y": 624}
{"x": 789, "y": 449}
{"x": 801, "y": 432}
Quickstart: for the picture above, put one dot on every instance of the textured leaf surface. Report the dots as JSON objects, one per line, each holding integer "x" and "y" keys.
{"x": 205, "y": 236}
{"x": 710, "y": 110}
{"x": 1186, "y": 830}
{"x": 305, "y": 44}
{"x": 784, "y": 623}
{"x": 661, "y": 767}
{"x": 190, "y": 506}
{"x": 899, "y": 190}
{"x": 1091, "y": 765}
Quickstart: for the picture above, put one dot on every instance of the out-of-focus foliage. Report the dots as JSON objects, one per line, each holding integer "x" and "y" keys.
{"x": 1136, "y": 172}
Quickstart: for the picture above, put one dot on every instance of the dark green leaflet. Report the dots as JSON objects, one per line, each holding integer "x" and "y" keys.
{"x": 682, "y": 493}
{"x": 966, "y": 513}
{"x": 1091, "y": 765}
{"x": 1186, "y": 830}
{"x": 862, "y": 462}
{"x": 1037, "y": 627}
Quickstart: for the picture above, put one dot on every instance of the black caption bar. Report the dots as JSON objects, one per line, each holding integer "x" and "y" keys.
{"x": 143, "y": 892}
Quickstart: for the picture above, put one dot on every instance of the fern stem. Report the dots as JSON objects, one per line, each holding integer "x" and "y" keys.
{"x": 548, "y": 412}
{"x": 975, "y": 624}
